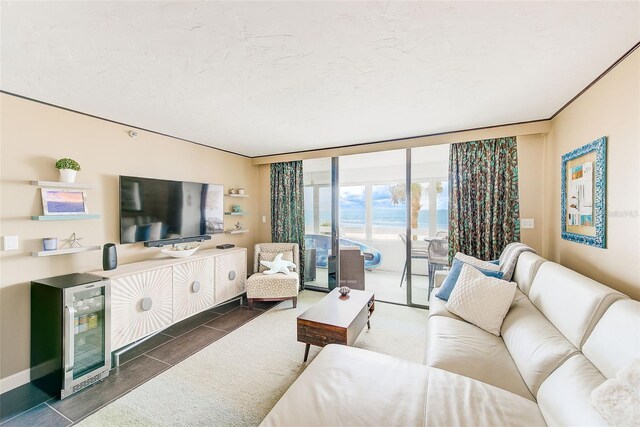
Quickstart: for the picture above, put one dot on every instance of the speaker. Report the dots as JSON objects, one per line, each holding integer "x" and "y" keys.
{"x": 109, "y": 257}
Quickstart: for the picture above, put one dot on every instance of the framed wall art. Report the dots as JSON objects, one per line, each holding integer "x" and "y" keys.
{"x": 64, "y": 202}
{"x": 583, "y": 194}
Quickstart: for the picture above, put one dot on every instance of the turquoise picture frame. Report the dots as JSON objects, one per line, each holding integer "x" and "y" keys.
{"x": 584, "y": 194}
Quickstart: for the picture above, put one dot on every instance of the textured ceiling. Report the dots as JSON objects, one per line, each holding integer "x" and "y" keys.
{"x": 268, "y": 77}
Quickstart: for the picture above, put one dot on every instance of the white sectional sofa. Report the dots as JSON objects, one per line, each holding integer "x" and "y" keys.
{"x": 563, "y": 336}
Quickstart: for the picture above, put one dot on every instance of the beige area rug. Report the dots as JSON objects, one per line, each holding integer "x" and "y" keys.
{"x": 239, "y": 378}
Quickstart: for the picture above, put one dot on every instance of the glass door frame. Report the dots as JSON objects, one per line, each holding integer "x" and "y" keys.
{"x": 334, "y": 259}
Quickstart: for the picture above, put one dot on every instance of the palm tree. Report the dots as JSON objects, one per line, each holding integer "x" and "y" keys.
{"x": 399, "y": 195}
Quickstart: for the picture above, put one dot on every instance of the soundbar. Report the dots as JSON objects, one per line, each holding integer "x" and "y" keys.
{"x": 165, "y": 242}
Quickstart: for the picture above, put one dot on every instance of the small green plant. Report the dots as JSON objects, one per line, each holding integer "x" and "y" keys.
{"x": 68, "y": 164}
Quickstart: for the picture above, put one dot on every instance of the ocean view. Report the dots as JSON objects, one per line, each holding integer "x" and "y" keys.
{"x": 381, "y": 218}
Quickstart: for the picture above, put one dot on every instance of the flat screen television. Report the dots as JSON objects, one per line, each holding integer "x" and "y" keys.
{"x": 159, "y": 209}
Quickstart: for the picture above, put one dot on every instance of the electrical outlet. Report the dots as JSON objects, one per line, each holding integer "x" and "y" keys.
{"x": 526, "y": 223}
{"x": 10, "y": 243}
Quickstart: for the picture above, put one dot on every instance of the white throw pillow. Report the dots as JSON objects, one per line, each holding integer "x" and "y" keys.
{"x": 481, "y": 300}
{"x": 485, "y": 265}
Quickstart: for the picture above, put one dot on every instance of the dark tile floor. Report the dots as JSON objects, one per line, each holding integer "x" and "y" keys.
{"x": 28, "y": 405}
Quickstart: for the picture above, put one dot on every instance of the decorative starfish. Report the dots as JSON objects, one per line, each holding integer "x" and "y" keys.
{"x": 278, "y": 265}
{"x": 73, "y": 241}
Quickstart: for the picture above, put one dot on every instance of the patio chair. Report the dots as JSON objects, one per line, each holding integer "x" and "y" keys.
{"x": 438, "y": 252}
{"x": 419, "y": 252}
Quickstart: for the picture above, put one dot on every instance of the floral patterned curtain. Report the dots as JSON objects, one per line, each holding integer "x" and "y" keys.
{"x": 287, "y": 206}
{"x": 484, "y": 207}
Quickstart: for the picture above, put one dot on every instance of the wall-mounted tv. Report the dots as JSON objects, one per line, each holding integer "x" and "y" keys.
{"x": 159, "y": 209}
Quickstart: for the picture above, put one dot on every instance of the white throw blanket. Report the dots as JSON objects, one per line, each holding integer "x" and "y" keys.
{"x": 618, "y": 399}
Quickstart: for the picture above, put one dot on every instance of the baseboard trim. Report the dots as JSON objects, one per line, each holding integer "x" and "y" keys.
{"x": 14, "y": 381}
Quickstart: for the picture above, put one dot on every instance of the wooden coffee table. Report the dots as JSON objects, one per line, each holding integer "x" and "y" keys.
{"x": 335, "y": 319}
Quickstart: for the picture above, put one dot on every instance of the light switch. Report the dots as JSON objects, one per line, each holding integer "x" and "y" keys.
{"x": 264, "y": 218}
{"x": 10, "y": 243}
{"x": 526, "y": 223}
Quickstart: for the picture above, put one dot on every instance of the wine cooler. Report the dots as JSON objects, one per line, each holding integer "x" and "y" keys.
{"x": 70, "y": 332}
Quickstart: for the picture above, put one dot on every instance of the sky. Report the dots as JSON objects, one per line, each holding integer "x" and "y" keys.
{"x": 352, "y": 198}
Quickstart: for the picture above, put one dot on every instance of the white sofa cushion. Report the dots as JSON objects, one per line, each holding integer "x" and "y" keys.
{"x": 349, "y": 386}
{"x": 462, "y": 348}
{"x": 481, "y": 300}
{"x": 572, "y": 302}
{"x": 455, "y": 400}
{"x": 565, "y": 397}
{"x": 615, "y": 340}
{"x": 535, "y": 345}
{"x": 436, "y": 307}
{"x": 526, "y": 269}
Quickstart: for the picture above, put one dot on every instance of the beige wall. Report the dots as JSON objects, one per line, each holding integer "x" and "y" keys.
{"x": 32, "y": 137}
{"x": 610, "y": 108}
{"x": 531, "y": 188}
{"x": 264, "y": 191}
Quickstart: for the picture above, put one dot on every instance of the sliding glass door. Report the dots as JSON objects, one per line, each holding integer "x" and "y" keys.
{"x": 317, "y": 216}
{"x": 373, "y": 218}
{"x": 429, "y": 216}
{"x": 372, "y": 202}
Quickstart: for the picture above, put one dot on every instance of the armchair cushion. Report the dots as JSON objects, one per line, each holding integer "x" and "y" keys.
{"x": 261, "y": 285}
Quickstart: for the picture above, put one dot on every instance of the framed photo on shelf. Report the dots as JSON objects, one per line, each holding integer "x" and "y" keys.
{"x": 583, "y": 194}
{"x": 64, "y": 202}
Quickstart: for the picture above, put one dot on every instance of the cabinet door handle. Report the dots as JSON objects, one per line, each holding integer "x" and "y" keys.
{"x": 232, "y": 275}
{"x": 195, "y": 286}
{"x": 146, "y": 303}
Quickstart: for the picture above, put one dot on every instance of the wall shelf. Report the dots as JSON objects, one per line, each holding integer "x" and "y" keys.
{"x": 239, "y": 196}
{"x": 244, "y": 230}
{"x": 63, "y": 217}
{"x": 60, "y": 184}
{"x": 65, "y": 251}
{"x": 235, "y": 213}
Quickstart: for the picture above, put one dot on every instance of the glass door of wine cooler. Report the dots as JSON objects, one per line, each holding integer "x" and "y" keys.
{"x": 87, "y": 355}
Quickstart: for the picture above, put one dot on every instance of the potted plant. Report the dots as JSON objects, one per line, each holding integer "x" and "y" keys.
{"x": 68, "y": 169}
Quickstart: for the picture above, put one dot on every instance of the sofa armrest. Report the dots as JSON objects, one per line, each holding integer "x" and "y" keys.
{"x": 439, "y": 277}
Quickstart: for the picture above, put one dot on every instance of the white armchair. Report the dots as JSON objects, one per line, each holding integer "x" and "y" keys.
{"x": 273, "y": 287}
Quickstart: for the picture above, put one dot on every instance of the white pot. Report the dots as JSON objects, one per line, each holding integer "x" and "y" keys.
{"x": 67, "y": 175}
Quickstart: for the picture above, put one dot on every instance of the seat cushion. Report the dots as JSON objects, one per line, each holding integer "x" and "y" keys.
{"x": 436, "y": 307}
{"x": 565, "y": 397}
{"x": 455, "y": 400}
{"x": 278, "y": 285}
{"x": 615, "y": 340}
{"x": 535, "y": 345}
{"x": 526, "y": 269}
{"x": 347, "y": 386}
{"x": 572, "y": 302}
{"x": 459, "y": 347}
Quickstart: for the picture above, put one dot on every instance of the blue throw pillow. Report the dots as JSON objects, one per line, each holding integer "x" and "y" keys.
{"x": 452, "y": 278}
{"x": 495, "y": 261}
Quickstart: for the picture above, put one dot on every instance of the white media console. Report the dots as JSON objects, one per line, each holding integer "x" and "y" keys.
{"x": 150, "y": 295}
